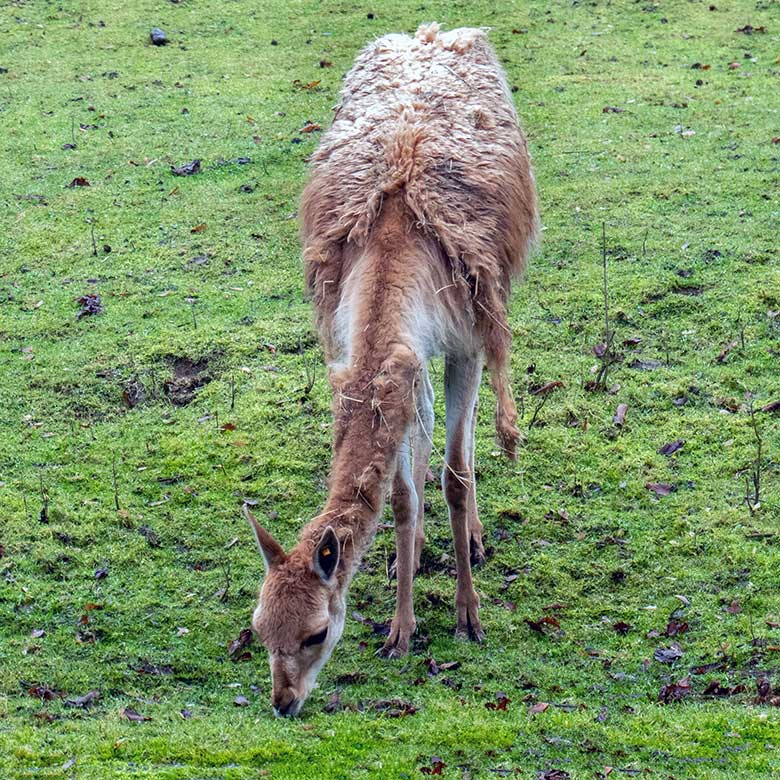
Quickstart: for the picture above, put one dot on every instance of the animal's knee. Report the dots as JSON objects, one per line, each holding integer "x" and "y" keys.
{"x": 403, "y": 501}
{"x": 456, "y": 483}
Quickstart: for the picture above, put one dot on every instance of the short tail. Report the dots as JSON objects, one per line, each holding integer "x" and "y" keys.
{"x": 490, "y": 311}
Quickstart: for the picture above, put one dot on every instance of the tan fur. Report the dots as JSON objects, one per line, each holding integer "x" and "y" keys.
{"x": 419, "y": 210}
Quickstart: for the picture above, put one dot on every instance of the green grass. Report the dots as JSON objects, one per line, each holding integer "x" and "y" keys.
{"x": 692, "y": 225}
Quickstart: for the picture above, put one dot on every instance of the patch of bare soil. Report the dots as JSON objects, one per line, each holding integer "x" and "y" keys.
{"x": 187, "y": 378}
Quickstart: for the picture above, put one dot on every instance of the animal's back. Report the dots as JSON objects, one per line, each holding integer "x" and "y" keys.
{"x": 429, "y": 118}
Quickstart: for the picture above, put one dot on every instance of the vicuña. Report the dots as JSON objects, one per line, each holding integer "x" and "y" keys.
{"x": 419, "y": 210}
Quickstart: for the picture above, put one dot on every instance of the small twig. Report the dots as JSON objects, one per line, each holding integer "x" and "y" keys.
{"x": 310, "y": 367}
{"x": 24, "y": 502}
{"x": 232, "y": 392}
{"x": 223, "y": 592}
{"x": 194, "y": 320}
{"x": 644, "y": 243}
{"x": 537, "y": 409}
{"x": 607, "y": 358}
{"x": 92, "y": 236}
{"x": 753, "y": 478}
{"x": 44, "y": 515}
{"x": 113, "y": 479}
{"x": 604, "y": 265}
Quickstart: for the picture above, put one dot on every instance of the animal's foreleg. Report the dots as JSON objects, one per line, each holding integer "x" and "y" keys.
{"x": 404, "y": 502}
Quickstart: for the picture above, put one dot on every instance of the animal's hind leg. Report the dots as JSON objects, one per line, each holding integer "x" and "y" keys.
{"x": 422, "y": 444}
{"x": 461, "y": 385}
{"x": 404, "y": 502}
{"x": 476, "y": 548}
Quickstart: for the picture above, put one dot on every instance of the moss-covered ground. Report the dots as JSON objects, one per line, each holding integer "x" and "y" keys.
{"x": 129, "y": 438}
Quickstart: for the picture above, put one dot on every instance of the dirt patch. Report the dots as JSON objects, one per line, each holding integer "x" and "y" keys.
{"x": 188, "y": 377}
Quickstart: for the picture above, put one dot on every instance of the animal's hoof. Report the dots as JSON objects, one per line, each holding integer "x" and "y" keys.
{"x": 476, "y": 552}
{"x": 470, "y": 632}
{"x": 394, "y": 649}
{"x": 469, "y": 626}
{"x": 397, "y": 644}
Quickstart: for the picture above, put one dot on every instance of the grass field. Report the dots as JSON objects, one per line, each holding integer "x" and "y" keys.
{"x": 129, "y": 437}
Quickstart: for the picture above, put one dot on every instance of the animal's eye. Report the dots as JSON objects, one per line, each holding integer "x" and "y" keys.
{"x": 316, "y": 639}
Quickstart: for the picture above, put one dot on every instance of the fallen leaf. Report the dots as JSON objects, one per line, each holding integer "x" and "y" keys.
{"x": 145, "y": 666}
{"x": 622, "y": 627}
{"x": 675, "y": 627}
{"x": 199, "y": 228}
{"x": 612, "y": 110}
{"x": 660, "y": 488}
{"x": 748, "y": 29}
{"x": 734, "y": 608}
{"x": 724, "y": 353}
{"x": 502, "y": 702}
{"x": 436, "y": 767}
{"x": 619, "y": 417}
{"x": 394, "y": 708}
{"x": 435, "y": 667}
{"x": 668, "y": 655}
{"x": 310, "y": 127}
{"x": 773, "y": 406}
{"x": 714, "y": 688}
{"x": 645, "y": 365}
{"x": 549, "y": 387}
{"x": 90, "y": 304}
{"x": 241, "y": 701}
{"x": 539, "y": 708}
{"x": 538, "y": 625}
{"x": 237, "y": 646}
{"x": 79, "y": 181}
{"x": 134, "y": 716}
{"x": 553, "y": 774}
{"x": 675, "y": 691}
{"x": 188, "y": 169}
{"x": 83, "y": 701}
{"x": 671, "y": 448}
{"x": 311, "y": 85}
{"x": 44, "y": 692}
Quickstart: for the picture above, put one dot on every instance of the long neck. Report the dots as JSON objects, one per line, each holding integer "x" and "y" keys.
{"x": 373, "y": 397}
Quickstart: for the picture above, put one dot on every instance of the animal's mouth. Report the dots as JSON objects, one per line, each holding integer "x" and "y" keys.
{"x": 289, "y": 710}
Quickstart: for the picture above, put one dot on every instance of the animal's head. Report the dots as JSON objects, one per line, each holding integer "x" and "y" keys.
{"x": 300, "y": 613}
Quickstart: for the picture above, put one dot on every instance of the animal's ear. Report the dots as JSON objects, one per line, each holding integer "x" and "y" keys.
{"x": 272, "y": 551}
{"x": 326, "y": 555}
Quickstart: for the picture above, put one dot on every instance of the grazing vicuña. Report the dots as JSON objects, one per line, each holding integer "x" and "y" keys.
{"x": 419, "y": 210}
